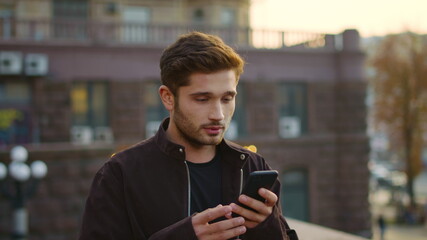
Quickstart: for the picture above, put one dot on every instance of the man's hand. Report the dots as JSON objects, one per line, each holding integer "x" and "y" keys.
{"x": 221, "y": 230}
{"x": 263, "y": 209}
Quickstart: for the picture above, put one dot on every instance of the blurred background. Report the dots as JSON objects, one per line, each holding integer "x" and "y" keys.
{"x": 334, "y": 96}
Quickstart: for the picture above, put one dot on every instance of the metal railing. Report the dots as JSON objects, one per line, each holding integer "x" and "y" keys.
{"x": 149, "y": 34}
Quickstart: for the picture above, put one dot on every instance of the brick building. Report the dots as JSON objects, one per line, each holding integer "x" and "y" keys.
{"x": 78, "y": 81}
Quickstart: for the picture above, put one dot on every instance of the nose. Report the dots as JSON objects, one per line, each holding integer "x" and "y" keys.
{"x": 216, "y": 112}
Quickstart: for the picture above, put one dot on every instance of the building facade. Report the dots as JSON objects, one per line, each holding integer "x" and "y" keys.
{"x": 79, "y": 80}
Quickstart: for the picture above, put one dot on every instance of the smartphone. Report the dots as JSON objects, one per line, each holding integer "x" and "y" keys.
{"x": 257, "y": 180}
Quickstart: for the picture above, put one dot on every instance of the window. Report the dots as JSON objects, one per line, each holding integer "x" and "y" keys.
{"x": 70, "y": 18}
{"x": 6, "y": 28}
{"x": 15, "y": 93}
{"x": 136, "y": 20}
{"x": 198, "y": 16}
{"x": 237, "y": 128}
{"x": 228, "y": 16}
{"x": 295, "y": 194}
{"x": 155, "y": 112}
{"x": 76, "y": 9}
{"x": 15, "y": 113}
{"x": 89, "y": 104}
{"x": 292, "y": 109}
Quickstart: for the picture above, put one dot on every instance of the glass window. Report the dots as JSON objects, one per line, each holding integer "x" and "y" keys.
{"x": 77, "y": 9}
{"x": 6, "y": 28}
{"x": 15, "y": 126}
{"x": 294, "y": 199}
{"x": 198, "y": 16}
{"x": 155, "y": 112}
{"x": 136, "y": 20}
{"x": 292, "y": 109}
{"x": 237, "y": 128}
{"x": 70, "y": 18}
{"x": 228, "y": 17}
{"x": 89, "y": 104}
{"x": 99, "y": 104}
{"x": 15, "y": 93}
{"x": 79, "y": 98}
{"x": 15, "y": 114}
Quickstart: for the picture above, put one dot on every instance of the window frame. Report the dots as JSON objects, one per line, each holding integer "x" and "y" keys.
{"x": 90, "y": 119}
{"x": 288, "y": 188}
{"x": 295, "y": 111}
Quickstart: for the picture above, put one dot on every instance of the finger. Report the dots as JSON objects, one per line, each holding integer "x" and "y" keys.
{"x": 249, "y": 215}
{"x": 256, "y": 205}
{"x": 226, "y": 225}
{"x": 211, "y": 214}
{"x": 251, "y": 224}
{"x": 269, "y": 196}
{"x": 227, "y": 234}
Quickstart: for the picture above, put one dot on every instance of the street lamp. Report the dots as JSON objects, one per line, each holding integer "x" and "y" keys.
{"x": 20, "y": 186}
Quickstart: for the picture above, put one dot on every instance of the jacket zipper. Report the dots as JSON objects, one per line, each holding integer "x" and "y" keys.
{"x": 189, "y": 189}
{"x": 240, "y": 189}
{"x": 241, "y": 181}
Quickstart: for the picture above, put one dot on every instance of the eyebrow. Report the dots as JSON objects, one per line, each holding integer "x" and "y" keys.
{"x": 232, "y": 93}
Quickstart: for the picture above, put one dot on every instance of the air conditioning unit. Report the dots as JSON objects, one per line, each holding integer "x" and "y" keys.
{"x": 81, "y": 135}
{"x": 36, "y": 64}
{"x": 232, "y": 131}
{"x": 151, "y": 128}
{"x": 10, "y": 63}
{"x": 289, "y": 127}
{"x": 104, "y": 135}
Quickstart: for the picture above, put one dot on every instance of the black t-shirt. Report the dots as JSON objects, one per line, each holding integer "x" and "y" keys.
{"x": 205, "y": 180}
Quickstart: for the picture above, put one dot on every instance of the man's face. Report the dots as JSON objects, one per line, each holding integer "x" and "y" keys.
{"x": 203, "y": 109}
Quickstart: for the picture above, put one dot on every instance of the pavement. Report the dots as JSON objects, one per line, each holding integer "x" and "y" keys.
{"x": 379, "y": 205}
{"x": 309, "y": 231}
{"x": 403, "y": 232}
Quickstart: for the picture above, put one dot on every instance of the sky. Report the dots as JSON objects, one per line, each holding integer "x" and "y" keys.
{"x": 369, "y": 17}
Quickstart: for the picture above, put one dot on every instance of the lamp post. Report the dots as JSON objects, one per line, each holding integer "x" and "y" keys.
{"x": 19, "y": 186}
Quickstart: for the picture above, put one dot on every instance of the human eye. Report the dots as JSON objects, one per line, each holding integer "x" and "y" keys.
{"x": 228, "y": 98}
{"x": 201, "y": 99}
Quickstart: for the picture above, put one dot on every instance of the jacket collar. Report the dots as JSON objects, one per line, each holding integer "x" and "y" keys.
{"x": 168, "y": 147}
{"x": 230, "y": 151}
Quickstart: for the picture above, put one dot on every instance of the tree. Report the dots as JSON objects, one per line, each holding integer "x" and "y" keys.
{"x": 399, "y": 82}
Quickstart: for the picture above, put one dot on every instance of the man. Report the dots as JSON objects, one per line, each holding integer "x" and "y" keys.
{"x": 184, "y": 182}
{"x": 381, "y": 226}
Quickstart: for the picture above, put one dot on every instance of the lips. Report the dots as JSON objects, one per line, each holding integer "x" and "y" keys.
{"x": 213, "y": 130}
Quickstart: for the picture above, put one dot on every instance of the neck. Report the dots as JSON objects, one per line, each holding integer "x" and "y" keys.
{"x": 201, "y": 154}
{"x": 195, "y": 153}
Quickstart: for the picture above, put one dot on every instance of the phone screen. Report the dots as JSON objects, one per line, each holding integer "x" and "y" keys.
{"x": 257, "y": 180}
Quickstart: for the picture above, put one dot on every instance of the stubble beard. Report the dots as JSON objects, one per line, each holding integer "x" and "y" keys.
{"x": 191, "y": 132}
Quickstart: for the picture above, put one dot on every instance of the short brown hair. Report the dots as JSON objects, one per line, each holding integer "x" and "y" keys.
{"x": 196, "y": 52}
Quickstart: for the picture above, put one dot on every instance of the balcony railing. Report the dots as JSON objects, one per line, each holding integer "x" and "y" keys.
{"x": 138, "y": 34}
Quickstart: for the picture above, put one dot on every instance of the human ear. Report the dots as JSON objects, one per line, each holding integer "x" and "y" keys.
{"x": 167, "y": 97}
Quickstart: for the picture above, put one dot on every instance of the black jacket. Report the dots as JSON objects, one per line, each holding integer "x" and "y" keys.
{"x": 143, "y": 193}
